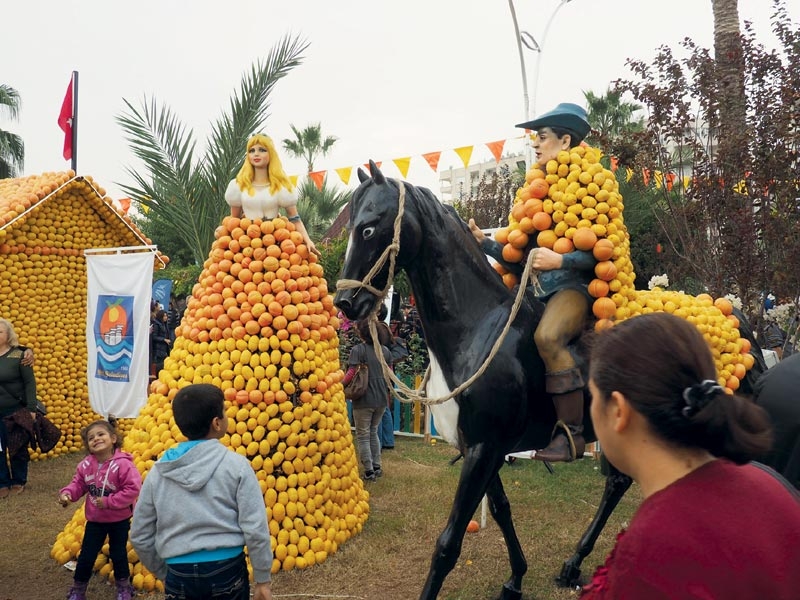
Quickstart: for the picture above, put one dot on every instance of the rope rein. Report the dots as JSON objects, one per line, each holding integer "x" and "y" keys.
{"x": 401, "y": 391}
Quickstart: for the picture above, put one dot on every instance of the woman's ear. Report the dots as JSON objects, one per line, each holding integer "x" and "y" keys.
{"x": 620, "y": 411}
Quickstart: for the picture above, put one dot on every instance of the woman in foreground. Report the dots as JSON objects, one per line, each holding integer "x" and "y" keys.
{"x": 711, "y": 525}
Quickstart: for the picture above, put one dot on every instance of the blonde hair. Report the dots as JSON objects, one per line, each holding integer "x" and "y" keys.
{"x": 277, "y": 177}
{"x": 13, "y": 340}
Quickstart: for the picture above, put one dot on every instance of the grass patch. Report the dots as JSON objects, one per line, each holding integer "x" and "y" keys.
{"x": 389, "y": 559}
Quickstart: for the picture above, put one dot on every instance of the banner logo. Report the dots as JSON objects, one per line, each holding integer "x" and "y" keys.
{"x": 113, "y": 334}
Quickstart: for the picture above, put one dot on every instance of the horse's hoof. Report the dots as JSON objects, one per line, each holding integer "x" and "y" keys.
{"x": 570, "y": 576}
{"x": 509, "y": 593}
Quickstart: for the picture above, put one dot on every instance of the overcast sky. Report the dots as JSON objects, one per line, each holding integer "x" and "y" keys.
{"x": 389, "y": 79}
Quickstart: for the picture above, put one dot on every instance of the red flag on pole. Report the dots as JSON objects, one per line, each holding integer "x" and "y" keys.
{"x": 65, "y": 118}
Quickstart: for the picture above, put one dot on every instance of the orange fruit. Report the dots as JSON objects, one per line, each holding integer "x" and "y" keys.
{"x": 518, "y": 239}
{"x": 511, "y": 254}
{"x": 542, "y": 221}
{"x": 605, "y": 270}
{"x": 603, "y": 249}
{"x": 604, "y": 308}
{"x": 724, "y": 305}
{"x": 538, "y": 188}
{"x": 546, "y": 238}
{"x": 501, "y": 235}
{"x": 584, "y": 238}
{"x": 598, "y": 288}
{"x": 603, "y": 324}
{"x": 563, "y": 245}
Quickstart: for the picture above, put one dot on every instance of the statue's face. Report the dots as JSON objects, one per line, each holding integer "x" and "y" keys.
{"x": 258, "y": 156}
{"x": 547, "y": 145}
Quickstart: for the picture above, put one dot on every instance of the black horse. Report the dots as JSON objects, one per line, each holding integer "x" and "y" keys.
{"x": 463, "y": 306}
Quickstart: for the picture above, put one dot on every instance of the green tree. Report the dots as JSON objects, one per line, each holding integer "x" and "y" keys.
{"x": 179, "y": 191}
{"x": 320, "y": 207}
{"x": 611, "y": 117}
{"x": 729, "y": 229}
{"x": 12, "y": 148}
{"x": 309, "y": 143}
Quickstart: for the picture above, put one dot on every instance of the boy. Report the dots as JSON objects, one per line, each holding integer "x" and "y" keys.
{"x": 199, "y": 506}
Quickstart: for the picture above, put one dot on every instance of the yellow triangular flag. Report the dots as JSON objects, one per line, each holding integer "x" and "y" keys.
{"x": 465, "y": 152}
{"x": 344, "y": 174}
{"x": 628, "y": 174}
{"x": 293, "y": 179}
{"x": 658, "y": 176}
{"x": 403, "y": 164}
{"x": 686, "y": 181}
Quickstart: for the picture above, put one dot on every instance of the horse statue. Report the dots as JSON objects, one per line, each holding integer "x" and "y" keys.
{"x": 464, "y": 307}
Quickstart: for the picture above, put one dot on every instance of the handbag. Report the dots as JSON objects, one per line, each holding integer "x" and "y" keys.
{"x": 46, "y": 433}
{"x": 357, "y": 387}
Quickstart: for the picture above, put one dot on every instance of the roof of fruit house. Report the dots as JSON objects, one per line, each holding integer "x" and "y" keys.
{"x": 23, "y": 196}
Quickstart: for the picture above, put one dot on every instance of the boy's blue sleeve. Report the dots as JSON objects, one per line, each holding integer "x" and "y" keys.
{"x": 494, "y": 249}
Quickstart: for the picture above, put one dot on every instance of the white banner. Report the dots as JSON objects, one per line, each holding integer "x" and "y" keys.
{"x": 118, "y": 330}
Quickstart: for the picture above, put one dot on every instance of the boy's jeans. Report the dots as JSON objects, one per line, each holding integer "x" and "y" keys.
{"x": 221, "y": 580}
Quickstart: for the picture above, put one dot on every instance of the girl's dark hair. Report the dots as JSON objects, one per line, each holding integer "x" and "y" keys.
{"x": 195, "y": 407}
{"x": 161, "y": 314}
{"x": 110, "y": 426}
{"x": 671, "y": 356}
{"x": 384, "y": 334}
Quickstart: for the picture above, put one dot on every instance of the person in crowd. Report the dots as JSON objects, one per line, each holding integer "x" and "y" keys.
{"x": 398, "y": 351}
{"x": 112, "y": 483}
{"x": 200, "y": 505}
{"x": 17, "y": 412}
{"x": 711, "y": 525}
{"x": 564, "y": 281}
{"x": 776, "y": 391}
{"x": 261, "y": 188}
{"x": 161, "y": 340}
{"x": 368, "y": 411}
{"x": 177, "y": 306}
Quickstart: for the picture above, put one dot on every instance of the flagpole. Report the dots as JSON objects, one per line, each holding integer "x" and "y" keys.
{"x": 74, "y": 163}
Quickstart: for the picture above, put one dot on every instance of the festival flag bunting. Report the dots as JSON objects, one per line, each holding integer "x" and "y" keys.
{"x": 614, "y": 163}
{"x": 686, "y": 181}
{"x": 344, "y": 174}
{"x": 464, "y": 152}
{"x": 496, "y": 148}
{"x": 433, "y": 159}
{"x": 318, "y": 177}
{"x": 670, "y": 181}
{"x": 293, "y": 179}
{"x": 378, "y": 164}
{"x": 658, "y": 178}
{"x": 402, "y": 165}
{"x": 628, "y": 173}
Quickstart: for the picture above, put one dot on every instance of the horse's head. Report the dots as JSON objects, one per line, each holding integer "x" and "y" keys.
{"x": 373, "y": 210}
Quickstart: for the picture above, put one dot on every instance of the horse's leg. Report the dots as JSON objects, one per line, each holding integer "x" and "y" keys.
{"x": 616, "y": 485}
{"x": 501, "y": 512}
{"x": 481, "y": 464}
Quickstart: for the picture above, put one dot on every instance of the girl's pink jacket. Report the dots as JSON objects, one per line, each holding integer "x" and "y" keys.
{"x": 117, "y": 480}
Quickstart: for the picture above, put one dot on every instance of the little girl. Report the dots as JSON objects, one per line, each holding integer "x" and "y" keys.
{"x": 112, "y": 481}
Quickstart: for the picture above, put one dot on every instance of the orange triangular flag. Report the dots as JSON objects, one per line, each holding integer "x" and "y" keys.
{"x": 465, "y": 152}
{"x": 344, "y": 174}
{"x": 496, "y": 148}
{"x": 318, "y": 177}
{"x": 670, "y": 181}
{"x": 377, "y": 164}
{"x": 402, "y": 165}
{"x": 646, "y": 176}
{"x": 125, "y": 204}
{"x": 293, "y": 179}
{"x": 433, "y": 159}
{"x": 614, "y": 163}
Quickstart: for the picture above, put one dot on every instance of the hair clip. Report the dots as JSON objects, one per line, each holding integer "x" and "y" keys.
{"x": 698, "y": 396}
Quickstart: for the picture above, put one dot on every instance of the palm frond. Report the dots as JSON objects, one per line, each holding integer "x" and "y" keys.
{"x": 12, "y": 154}
{"x": 10, "y": 102}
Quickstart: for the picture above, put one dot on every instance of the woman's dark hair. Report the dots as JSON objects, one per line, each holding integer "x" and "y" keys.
{"x": 384, "y": 335}
{"x": 110, "y": 426}
{"x": 653, "y": 360}
{"x": 195, "y": 407}
{"x": 161, "y": 314}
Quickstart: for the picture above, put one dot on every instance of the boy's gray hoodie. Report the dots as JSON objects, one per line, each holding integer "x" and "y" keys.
{"x": 204, "y": 499}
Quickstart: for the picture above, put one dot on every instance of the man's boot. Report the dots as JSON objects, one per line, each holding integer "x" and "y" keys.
{"x": 567, "y": 441}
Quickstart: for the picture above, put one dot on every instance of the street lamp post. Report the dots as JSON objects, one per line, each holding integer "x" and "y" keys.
{"x": 526, "y": 39}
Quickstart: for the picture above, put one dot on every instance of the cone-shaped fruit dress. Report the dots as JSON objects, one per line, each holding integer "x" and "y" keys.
{"x": 573, "y": 203}
{"x": 261, "y": 325}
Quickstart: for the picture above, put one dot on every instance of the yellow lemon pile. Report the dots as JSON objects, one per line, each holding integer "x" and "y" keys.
{"x": 261, "y": 326}
{"x": 46, "y": 221}
{"x": 575, "y": 204}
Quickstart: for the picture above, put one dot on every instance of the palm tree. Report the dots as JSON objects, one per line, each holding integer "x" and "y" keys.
{"x": 320, "y": 207}
{"x": 309, "y": 144}
{"x": 179, "y": 191}
{"x": 12, "y": 148}
{"x": 611, "y": 117}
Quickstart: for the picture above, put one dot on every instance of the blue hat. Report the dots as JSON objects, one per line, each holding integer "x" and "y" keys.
{"x": 570, "y": 117}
